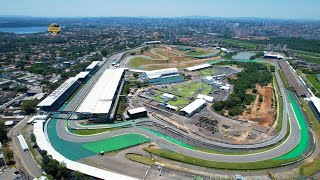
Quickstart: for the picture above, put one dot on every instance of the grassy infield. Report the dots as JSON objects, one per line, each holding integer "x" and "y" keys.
{"x": 314, "y": 81}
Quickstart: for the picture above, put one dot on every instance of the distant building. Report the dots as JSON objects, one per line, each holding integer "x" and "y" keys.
{"x": 162, "y": 76}
{"x": 193, "y": 108}
{"x": 209, "y": 99}
{"x": 93, "y": 67}
{"x": 137, "y": 113}
{"x": 198, "y": 67}
{"x": 60, "y": 95}
{"x": 273, "y": 55}
{"x": 152, "y": 42}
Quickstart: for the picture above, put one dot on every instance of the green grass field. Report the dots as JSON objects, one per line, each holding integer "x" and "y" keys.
{"x": 237, "y": 43}
{"x": 307, "y": 56}
{"x": 139, "y": 61}
{"x": 279, "y": 99}
{"x": 180, "y": 103}
{"x": 213, "y": 164}
{"x": 115, "y": 143}
{"x": 312, "y": 78}
{"x": 190, "y": 89}
{"x": 314, "y": 166}
{"x": 91, "y": 131}
{"x": 209, "y": 72}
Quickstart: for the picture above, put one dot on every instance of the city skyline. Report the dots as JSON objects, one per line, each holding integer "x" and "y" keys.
{"x": 99, "y": 8}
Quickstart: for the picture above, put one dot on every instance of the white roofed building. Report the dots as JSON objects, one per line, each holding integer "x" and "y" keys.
{"x": 60, "y": 95}
{"x": 137, "y": 112}
{"x": 199, "y": 67}
{"x": 101, "y": 98}
{"x": 93, "y": 67}
{"x": 193, "y": 107}
{"x": 160, "y": 73}
{"x": 315, "y": 103}
{"x": 168, "y": 97}
{"x": 209, "y": 99}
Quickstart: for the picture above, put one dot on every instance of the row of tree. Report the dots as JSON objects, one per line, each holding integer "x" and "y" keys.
{"x": 56, "y": 170}
{"x": 252, "y": 74}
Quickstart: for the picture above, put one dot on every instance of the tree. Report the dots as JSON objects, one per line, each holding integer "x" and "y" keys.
{"x": 254, "y": 90}
{"x": 135, "y": 75}
{"x": 3, "y": 132}
{"x": 29, "y": 106}
{"x": 272, "y": 68}
{"x": 9, "y": 154}
{"x": 218, "y": 106}
{"x": 77, "y": 176}
{"x": 33, "y": 137}
{"x": 52, "y": 167}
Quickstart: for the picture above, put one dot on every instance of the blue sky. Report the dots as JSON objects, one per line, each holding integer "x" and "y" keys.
{"x": 163, "y": 8}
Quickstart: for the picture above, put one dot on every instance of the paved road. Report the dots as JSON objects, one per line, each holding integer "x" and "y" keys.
{"x": 193, "y": 137}
{"x": 288, "y": 145}
{"x": 25, "y": 160}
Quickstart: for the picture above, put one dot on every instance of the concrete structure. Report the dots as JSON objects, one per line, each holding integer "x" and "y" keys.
{"x": 44, "y": 144}
{"x": 315, "y": 104}
{"x": 137, "y": 113}
{"x": 101, "y": 99}
{"x": 152, "y": 42}
{"x": 209, "y": 99}
{"x": 172, "y": 107}
{"x": 83, "y": 77}
{"x": 60, "y": 95}
{"x": 23, "y": 143}
{"x": 93, "y": 67}
{"x": 160, "y": 73}
{"x": 198, "y": 67}
{"x": 225, "y": 88}
{"x": 168, "y": 97}
{"x": 193, "y": 107}
{"x": 273, "y": 55}
{"x": 37, "y": 118}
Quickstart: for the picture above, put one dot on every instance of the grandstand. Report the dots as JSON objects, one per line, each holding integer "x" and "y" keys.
{"x": 60, "y": 95}
{"x": 160, "y": 73}
{"x": 93, "y": 67}
{"x": 101, "y": 99}
{"x": 292, "y": 81}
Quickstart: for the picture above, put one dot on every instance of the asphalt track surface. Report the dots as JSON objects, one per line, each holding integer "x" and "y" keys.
{"x": 290, "y": 143}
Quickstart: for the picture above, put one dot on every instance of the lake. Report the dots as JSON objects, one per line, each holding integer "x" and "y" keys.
{"x": 25, "y": 30}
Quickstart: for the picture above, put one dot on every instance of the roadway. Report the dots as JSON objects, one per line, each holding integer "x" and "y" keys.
{"x": 25, "y": 161}
{"x": 289, "y": 144}
{"x": 192, "y": 137}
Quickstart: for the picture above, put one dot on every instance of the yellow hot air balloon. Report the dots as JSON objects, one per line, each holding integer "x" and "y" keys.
{"x": 54, "y": 28}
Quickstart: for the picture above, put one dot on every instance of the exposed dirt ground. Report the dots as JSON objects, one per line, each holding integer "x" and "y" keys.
{"x": 261, "y": 112}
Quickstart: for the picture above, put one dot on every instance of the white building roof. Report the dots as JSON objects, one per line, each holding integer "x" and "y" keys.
{"x": 137, "y": 110}
{"x": 273, "y": 54}
{"x": 161, "y": 72}
{"x": 198, "y": 67}
{"x": 23, "y": 142}
{"x": 82, "y": 75}
{"x": 92, "y": 65}
{"x": 37, "y": 117}
{"x": 193, "y": 106}
{"x": 44, "y": 144}
{"x": 101, "y": 95}
{"x": 316, "y": 101}
{"x": 206, "y": 98}
{"x": 170, "y": 96}
{"x": 8, "y": 123}
{"x": 172, "y": 107}
{"x": 49, "y": 100}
